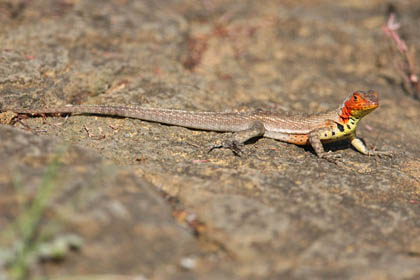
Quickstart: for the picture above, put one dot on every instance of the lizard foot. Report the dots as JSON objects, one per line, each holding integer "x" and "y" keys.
{"x": 333, "y": 158}
{"x": 234, "y": 146}
{"x": 380, "y": 153}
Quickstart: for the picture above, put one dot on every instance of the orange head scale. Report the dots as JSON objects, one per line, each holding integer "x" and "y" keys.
{"x": 359, "y": 104}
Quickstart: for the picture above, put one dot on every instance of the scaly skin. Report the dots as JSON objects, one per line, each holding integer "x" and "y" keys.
{"x": 334, "y": 125}
{"x": 299, "y": 129}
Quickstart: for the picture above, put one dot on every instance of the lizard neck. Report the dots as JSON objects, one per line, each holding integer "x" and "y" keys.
{"x": 351, "y": 124}
{"x": 347, "y": 120}
{"x": 345, "y": 115}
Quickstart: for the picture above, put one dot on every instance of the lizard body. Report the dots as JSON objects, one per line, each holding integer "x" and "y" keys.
{"x": 299, "y": 129}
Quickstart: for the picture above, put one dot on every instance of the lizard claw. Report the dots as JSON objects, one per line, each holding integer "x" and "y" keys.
{"x": 234, "y": 146}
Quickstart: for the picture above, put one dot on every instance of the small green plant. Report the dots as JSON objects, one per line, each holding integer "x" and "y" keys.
{"x": 28, "y": 246}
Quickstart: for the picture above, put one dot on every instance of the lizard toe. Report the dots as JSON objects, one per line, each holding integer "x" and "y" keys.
{"x": 381, "y": 153}
{"x": 234, "y": 146}
{"x": 332, "y": 157}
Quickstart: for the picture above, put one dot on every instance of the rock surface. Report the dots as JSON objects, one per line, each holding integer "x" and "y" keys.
{"x": 148, "y": 200}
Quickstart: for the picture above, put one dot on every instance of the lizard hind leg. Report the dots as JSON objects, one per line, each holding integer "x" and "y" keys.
{"x": 256, "y": 129}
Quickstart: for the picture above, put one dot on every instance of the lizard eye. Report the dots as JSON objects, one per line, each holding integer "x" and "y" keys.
{"x": 355, "y": 97}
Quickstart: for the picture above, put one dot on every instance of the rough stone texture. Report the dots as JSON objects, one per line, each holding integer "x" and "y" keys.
{"x": 160, "y": 206}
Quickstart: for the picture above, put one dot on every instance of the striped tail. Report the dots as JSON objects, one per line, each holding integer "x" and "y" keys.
{"x": 217, "y": 121}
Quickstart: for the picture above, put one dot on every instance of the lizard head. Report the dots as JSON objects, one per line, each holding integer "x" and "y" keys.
{"x": 359, "y": 104}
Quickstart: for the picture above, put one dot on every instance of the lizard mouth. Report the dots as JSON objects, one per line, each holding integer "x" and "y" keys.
{"x": 361, "y": 103}
{"x": 371, "y": 98}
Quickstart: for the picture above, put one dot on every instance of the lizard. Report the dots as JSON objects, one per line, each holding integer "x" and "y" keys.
{"x": 300, "y": 129}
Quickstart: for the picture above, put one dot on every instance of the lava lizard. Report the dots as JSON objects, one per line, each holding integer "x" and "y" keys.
{"x": 299, "y": 129}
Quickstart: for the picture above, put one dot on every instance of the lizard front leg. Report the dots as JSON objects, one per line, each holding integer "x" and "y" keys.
{"x": 361, "y": 147}
{"x": 256, "y": 129}
{"x": 315, "y": 141}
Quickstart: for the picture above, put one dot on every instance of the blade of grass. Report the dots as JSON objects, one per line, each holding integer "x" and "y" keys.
{"x": 28, "y": 222}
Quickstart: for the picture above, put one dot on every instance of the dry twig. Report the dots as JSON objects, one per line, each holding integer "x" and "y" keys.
{"x": 405, "y": 65}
